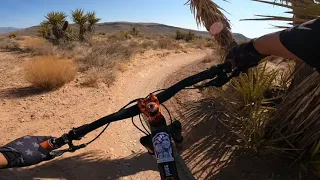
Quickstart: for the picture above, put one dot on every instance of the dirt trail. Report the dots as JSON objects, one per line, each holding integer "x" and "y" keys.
{"x": 117, "y": 154}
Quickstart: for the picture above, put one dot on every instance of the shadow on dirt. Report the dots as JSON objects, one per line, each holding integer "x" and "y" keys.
{"x": 12, "y": 93}
{"x": 84, "y": 167}
{"x": 212, "y": 151}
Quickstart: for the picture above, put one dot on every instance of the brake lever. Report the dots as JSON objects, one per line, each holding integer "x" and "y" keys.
{"x": 57, "y": 153}
{"x": 72, "y": 148}
{"x": 222, "y": 79}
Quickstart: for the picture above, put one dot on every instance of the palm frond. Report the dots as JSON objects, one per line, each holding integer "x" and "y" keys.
{"x": 206, "y": 12}
{"x": 276, "y": 18}
{"x": 301, "y": 10}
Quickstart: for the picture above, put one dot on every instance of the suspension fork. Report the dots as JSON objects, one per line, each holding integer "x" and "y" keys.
{"x": 159, "y": 142}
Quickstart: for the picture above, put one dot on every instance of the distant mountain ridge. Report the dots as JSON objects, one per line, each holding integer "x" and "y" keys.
{"x": 148, "y": 28}
{"x": 4, "y": 30}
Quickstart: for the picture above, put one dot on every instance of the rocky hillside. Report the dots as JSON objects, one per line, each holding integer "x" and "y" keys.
{"x": 148, "y": 28}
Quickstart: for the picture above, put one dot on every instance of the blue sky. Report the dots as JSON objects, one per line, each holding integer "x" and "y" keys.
{"x": 25, "y": 13}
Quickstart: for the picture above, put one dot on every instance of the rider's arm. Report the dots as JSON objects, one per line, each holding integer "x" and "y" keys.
{"x": 24, "y": 151}
{"x": 3, "y": 161}
{"x": 270, "y": 44}
{"x": 299, "y": 42}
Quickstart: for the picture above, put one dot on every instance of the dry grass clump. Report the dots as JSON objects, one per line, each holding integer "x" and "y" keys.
{"x": 167, "y": 43}
{"x": 9, "y": 44}
{"x": 103, "y": 60}
{"x": 49, "y": 72}
{"x": 148, "y": 44}
{"x": 38, "y": 46}
{"x": 106, "y": 55}
{"x": 92, "y": 78}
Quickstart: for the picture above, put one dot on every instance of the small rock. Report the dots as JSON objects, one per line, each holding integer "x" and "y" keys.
{"x": 32, "y": 116}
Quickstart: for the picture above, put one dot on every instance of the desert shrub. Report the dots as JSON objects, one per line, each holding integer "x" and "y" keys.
{"x": 67, "y": 45}
{"x": 134, "y": 31}
{"x": 106, "y": 55}
{"x": 179, "y": 35}
{"x": 148, "y": 44}
{"x": 121, "y": 36}
{"x": 166, "y": 43}
{"x": 19, "y": 38}
{"x": 92, "y": 77}
{"x": 49, "y": 72}
{"x": 190, "y": 36}
{"x": 199, "y": 43}
{"x": 38, "y": 46}
{"x": 12, "y": 35}
{"x": 9, "y": 44}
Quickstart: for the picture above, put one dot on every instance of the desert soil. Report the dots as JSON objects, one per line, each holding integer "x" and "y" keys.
{"x": 117, "y": 154}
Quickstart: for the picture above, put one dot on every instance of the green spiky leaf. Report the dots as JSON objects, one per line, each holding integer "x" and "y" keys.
{"x": 79, "y": 17}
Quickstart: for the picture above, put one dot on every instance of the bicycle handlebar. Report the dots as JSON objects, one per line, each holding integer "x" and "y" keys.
{"x": 218, "y": 71}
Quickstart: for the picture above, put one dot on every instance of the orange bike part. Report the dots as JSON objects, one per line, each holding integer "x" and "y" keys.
{"x": 46, "y": 145}
{"x": 150, "y": 107}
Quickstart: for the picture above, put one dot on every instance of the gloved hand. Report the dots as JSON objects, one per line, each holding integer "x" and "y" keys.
{"x": 25, "y": 151}
{"x": 244, "y": 56}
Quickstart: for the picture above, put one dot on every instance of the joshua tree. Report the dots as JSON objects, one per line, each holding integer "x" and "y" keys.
{"x": 57, "y": 22}
{"x": 86, "y": 22}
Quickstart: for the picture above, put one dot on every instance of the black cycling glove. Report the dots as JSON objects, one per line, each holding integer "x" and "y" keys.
{"x": 25, "y": 151}
{"x": 245, "y": 56}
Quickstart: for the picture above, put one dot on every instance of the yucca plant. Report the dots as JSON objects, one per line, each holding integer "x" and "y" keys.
{"x": 86, "y": 22}
{"x": 80, "y": 18}
{"x": 54, "y": 27}
{"x": 44, "y": 30}
{"x": 296, "y": 122}
{"x": 252, "y": 86}
{"x": 56, "y": 18}
{"x": 302, "y": 11}
{"x": 92, "y": 20}
{"x": 248, "y": 111}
